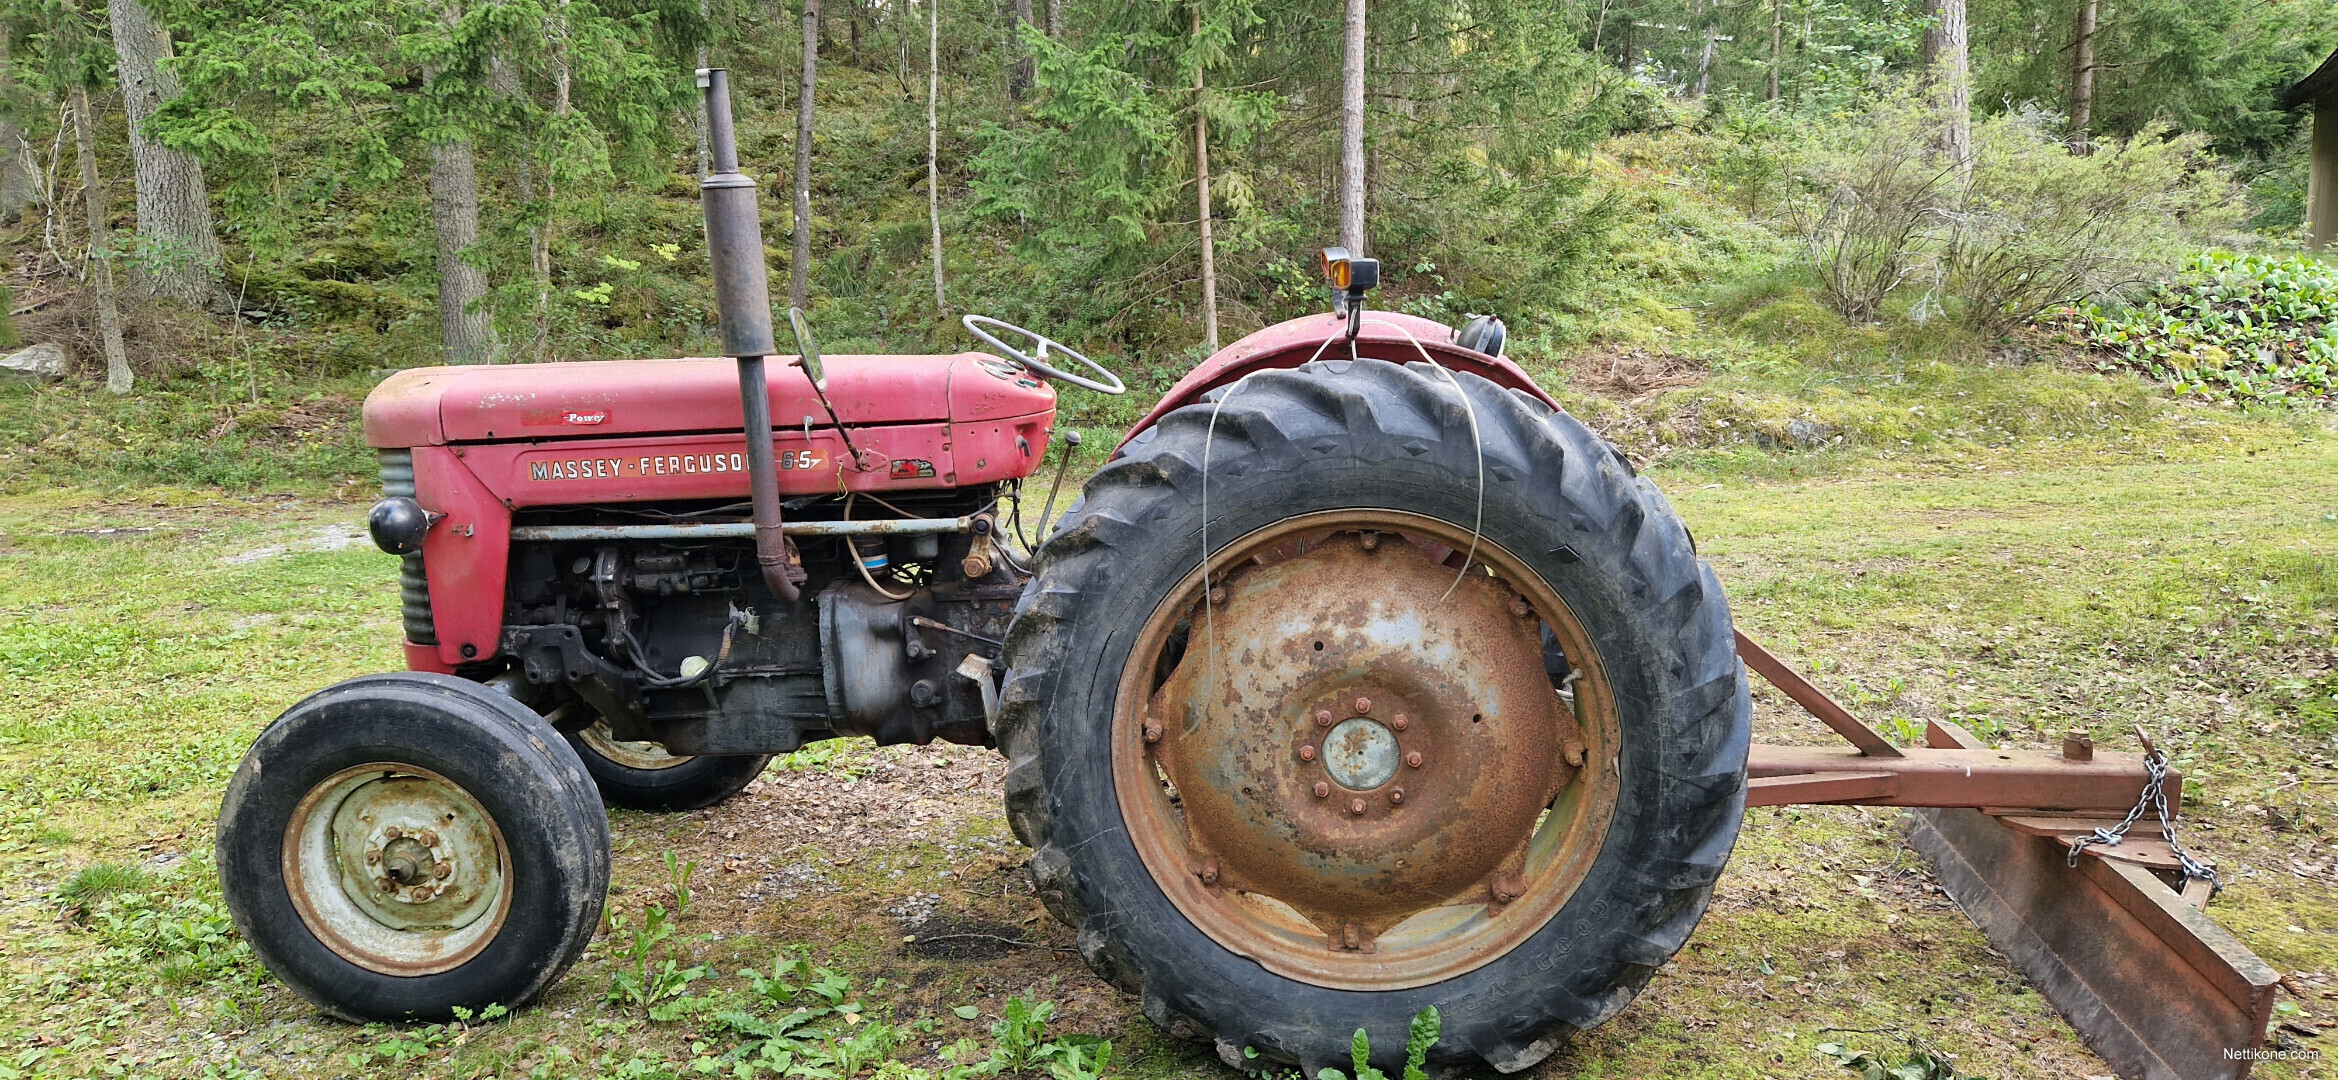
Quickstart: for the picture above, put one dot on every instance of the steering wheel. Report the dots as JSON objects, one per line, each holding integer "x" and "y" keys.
{"x": 975, "y": 324}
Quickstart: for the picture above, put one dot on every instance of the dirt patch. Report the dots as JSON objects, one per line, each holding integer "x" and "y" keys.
{"x": 1632, "y": 374}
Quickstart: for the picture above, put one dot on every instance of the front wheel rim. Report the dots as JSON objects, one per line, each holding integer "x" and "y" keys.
{"x": 397, "y": 869}
{"x": 1372, "y": 784}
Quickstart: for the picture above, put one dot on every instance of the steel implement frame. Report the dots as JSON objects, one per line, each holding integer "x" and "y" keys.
{"x": 2141, "y": 972}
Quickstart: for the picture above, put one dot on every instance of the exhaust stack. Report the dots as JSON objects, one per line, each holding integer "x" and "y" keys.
{"x": 742, "y": 296}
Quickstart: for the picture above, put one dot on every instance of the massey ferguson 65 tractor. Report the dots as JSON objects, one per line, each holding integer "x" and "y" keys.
{"x": 1361, "y": 679}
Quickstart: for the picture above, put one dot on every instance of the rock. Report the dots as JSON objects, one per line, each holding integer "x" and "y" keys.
{"x": 41, "y": 363}
{"x": 1809, "y": 434}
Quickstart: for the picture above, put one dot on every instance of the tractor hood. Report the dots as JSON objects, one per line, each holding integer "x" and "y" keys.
{"x": 498, "y": 403}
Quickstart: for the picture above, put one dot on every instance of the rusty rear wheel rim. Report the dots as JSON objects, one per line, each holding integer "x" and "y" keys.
{"x": 397, "y": 869}
{"x": 1371, "y": 784}
{"x": 648, "y": 756}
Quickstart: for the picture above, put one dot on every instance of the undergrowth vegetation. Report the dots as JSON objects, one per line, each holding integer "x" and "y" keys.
{"x": 2250, "y": 327}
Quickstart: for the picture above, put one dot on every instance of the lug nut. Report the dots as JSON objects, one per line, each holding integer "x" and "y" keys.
{"x": 1363, "y": 706}
{"x": 1306, "y": 753}
{"x": 1323, "y": 718}
{"x": 1322, "y": 790}
{"x": 445, "y": 871}
{"x": 1218, "y": 595}
{"x": 1399, "y": 721}
{"x": 373, "y": 854}
{"x": 427, "y": 837}
{"x": 1396, "y": 795}
{"x": 1371, "y": 540}
{"x": 393, "y": 833}
{"x": 1518, "y": 607}
{"x": 1356, "y": 807}
{"x": 1209, "y": 872}
{"x": 1413, "y": 759}
{"x": 1152, "y": 733}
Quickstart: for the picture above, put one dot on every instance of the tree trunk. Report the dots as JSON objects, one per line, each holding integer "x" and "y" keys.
{"x": 1777, "y": 41}
{"x": 2082, "y": 75}
{"x": 464, "y": 329}
{"x": 1054, "y": 18}
{"x": 799, "y": 267}
{"x": 540, "y": 250}
{"x": 933, "y": 144}
{"x": 1951, "y": 73}
{"x": 18, "y": 181}
{"x": 705, "y": 158}
{"x": 1705, "y": 65}
{"x": 174, "y": 209}
{"x": 1018, "y": 57}
{"x": 101, "y": 242}
{"x": 1351, "y": 131}
{"x": 1201, "y": 177}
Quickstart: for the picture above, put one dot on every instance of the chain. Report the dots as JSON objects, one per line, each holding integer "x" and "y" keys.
{"x": 2155, "y": 799}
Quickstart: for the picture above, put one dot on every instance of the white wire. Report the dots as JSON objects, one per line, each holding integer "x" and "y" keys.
{"x": 1476, "y": 441}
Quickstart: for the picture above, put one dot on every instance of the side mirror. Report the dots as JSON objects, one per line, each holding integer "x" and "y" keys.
{"x": 807, "y": 349}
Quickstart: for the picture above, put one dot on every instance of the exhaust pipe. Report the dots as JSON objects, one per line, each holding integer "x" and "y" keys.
{"x": 742, "y": 296}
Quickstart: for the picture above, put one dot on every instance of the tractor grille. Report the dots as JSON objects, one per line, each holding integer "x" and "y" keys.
{"x": 413, "y": 586}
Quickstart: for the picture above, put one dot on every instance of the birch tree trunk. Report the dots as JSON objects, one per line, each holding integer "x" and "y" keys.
{"x": 1201, "y": 177}
{"x": 2082, "y": 76}
{"x": 799, "y": 266}
{"x": 933, "y": 144}
{"x": 174, "y": 208}
{"x": 1054, "y": 18}
{"x": 1951, "y": 72}
{"x": 119, "y": 378}
{"x": 1351, "y": 131}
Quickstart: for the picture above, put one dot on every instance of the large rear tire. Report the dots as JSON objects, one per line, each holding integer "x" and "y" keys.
{"x": 1333, "y": 782}
{"x": 643, "y": 776}
{"x": 396, "y": 846}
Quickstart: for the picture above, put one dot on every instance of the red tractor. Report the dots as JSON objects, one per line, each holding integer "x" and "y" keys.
{"x": 1362, "y": 679}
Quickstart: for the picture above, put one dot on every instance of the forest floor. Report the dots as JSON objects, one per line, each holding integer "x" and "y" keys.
{"x": 148, "y": 634}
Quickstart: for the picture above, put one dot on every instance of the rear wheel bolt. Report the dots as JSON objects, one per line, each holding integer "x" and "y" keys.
{"x": 1218, "y": 595}
{"x": 1322, "y": 790}
{"x": 1152, "y": 733}
{"x": 1356, "y": 807}
{"x": 427, "y": 838}
{"x": 1323, "y": 718}
{"x": 1306, "y": 753}
{"x": 1363, "y": 706}
{"x": 1518, "y": 607}
{"x": 1396, "y": 795}
{"x": 1413, "y": 759}
{"x": 1399, "y": 721}
{"x": 1371, "y": 540}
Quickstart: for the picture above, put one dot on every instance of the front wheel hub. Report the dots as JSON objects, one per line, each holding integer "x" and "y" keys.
{"x": 1362, "y": 767}
{"x": 397, "y": 869}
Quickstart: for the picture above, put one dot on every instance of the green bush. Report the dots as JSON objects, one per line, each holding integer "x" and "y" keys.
{"x": 2028, "y": 226}
{"x": 2251, "y": 328}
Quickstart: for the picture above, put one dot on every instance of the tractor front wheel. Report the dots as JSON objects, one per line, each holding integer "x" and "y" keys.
{"x": 1449, "y": 716}
{"x": 397, "y": 846}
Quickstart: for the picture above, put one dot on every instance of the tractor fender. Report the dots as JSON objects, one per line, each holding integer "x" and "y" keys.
{"x": 1295, "y": 342}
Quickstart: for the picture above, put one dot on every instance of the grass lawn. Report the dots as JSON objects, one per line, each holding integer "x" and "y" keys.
{"x": 2184, "y": 584}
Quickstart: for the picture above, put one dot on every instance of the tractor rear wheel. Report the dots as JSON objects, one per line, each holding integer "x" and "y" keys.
{"x": 643, "y": 776}
{"x": 397, "y": 846}
{"x": 1450, "y": 716}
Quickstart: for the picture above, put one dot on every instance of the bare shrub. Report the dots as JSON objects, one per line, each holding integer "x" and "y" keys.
{"x": 2042, "y": 227}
